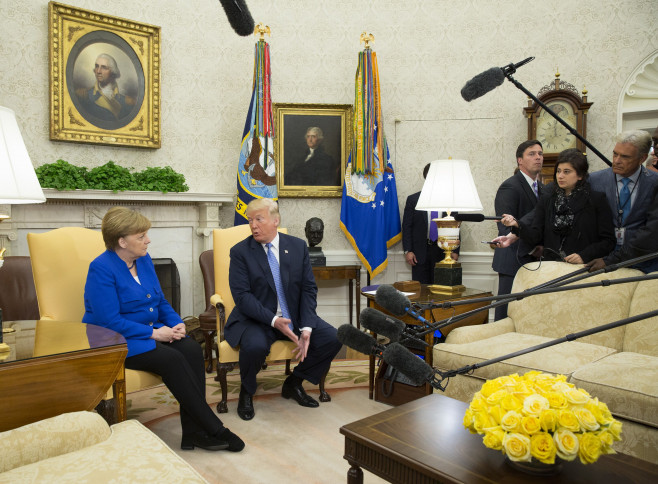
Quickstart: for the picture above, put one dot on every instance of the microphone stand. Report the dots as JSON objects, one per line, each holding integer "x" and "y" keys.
{"x": 557, "y": 282}
{"x": 508, "y": 73}
{"x": 570, "y": 337}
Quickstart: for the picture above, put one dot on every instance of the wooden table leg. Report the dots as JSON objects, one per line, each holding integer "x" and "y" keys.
{"x": 119, "y": 391}
{"x": 354, "y": 475}
{"x": 351, "y": 298}
{"x": 358, "y": 297}
{"x": 371, "y": 377}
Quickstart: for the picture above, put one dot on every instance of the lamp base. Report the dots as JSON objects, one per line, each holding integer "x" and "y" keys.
{"x": 447, "y": 278}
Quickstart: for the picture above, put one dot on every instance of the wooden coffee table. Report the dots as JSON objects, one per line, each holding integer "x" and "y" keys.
{"x": 424, "y": 441}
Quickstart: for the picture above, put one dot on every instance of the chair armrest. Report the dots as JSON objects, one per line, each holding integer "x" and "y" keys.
{"x": 468, "y": 334}
{"x": 216, "y": 299}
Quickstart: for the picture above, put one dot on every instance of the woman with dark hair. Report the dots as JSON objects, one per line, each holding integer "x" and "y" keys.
{"x": 572, "y": 222}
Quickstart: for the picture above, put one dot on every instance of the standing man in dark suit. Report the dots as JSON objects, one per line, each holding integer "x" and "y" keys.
{"x": 274, "y": 290}
{"x": 517, "y": 196}
{"x": 418, "y": 240}
{"x": 629, "y": 187}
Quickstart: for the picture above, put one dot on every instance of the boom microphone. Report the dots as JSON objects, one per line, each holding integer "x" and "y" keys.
{"x": 238, "y": 16}
{"x": 489, "y": 80}
{"x": 409, "y": 364}
{"x": 474, "y": 217}
{"x": 379, "y": 323}
{"x": 393, "y": 301}
{"x": 359, "y": 341}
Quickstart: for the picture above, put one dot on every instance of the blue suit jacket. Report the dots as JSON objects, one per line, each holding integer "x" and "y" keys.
{"x": 114, "y": 299}
{"x": 253, "y": 290}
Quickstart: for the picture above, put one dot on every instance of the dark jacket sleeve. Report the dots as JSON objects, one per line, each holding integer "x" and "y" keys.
{"x": 507, "y": 201}
{"x": 531, "y": 228}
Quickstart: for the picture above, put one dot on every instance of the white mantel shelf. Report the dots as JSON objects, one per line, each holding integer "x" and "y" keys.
{"x": 153, "y": 197}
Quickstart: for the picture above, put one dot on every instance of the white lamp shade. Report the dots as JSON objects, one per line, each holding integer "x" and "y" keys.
{"x": 18, "y": 181}
{"x": 449, "y": 186}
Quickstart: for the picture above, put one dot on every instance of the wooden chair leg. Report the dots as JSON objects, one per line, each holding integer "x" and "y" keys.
{"x": 222, "y": 370}
{"x": 210, "y": 339}
{"x": 324, "y": 396}
{"x": 107, "y": 410}
{"x": 288, "y": 371}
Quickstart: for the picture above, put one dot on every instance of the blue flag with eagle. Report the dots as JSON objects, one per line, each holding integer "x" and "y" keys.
{"x": 256, "y": 176}
{"x": 369, "y": 213}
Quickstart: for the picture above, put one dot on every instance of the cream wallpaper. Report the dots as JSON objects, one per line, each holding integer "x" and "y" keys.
{"x": 427, "y": 50}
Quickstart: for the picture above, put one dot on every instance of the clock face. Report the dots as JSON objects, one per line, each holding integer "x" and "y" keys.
{"x": 553, "y": 136}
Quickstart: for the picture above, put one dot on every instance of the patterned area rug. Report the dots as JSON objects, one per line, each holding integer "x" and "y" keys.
{"x": 155, "y": 403}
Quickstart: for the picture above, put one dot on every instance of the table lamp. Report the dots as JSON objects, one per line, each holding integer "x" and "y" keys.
{"x": 448, "y": 187}
{"x": 18, "y": 181}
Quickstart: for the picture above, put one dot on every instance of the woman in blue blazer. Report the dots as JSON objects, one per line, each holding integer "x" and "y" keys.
{"x": 122, "y": 293}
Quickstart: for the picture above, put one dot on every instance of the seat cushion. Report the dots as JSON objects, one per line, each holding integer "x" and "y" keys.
{"x": 626, "y": 382}
{"x": 641, "y": 336}
{"x": 280, "y": 350}
{"x": 563, "y": 358}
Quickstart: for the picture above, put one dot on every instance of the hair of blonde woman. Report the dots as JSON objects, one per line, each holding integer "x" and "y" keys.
{"x": 121, "y": 221}
{"x": 259, "y": 203}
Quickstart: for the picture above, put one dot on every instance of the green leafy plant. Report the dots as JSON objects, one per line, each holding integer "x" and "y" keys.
{"x": 161, "y": 179}
{"x": 62, "y": 175}
{"x": 111, "y": 176}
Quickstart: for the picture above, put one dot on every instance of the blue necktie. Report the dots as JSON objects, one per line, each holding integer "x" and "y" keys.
{"x": 434, "y": 231}
{"x": 534, "y": 189}
{"x": 276, "y": 274}
{"x": 625, "y": 199}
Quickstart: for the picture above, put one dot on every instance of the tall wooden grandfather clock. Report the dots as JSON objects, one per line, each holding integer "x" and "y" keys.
{"x": 565, "y": 101}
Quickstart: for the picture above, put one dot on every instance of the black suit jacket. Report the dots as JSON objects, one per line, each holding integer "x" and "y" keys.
{"x": 514, "y": 197}
{"x": 253, "y": 290}
{"x": 414, "y": 229}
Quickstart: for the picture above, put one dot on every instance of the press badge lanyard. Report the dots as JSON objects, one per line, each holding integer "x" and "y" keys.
{"x": 620, "y": 231}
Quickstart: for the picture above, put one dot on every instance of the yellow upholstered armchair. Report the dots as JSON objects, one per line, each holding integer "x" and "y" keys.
{"x": 60, "y": 262}
{"x": 228, "y": 357}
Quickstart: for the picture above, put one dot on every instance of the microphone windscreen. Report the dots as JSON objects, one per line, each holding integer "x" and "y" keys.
{"x": 238, "y": 16}
{"x": 483, "y": 83}
{"x": 356, "y": 339}
{"x": 379, "y": 323}
{"x": 408, "y": 364}
{"x": 392, "y": 300}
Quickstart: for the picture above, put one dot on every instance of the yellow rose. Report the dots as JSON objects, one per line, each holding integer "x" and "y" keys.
{"x": 481, "y": 421}
{"x": 542, "y": 448}
{"x": 576, "y": 396}
{"x": 530, "y": 425}
{"x": 566, "y": 444}
{"x": 556, "y": 400}
{"x": 478, "y": 403}
{"x": 566, "y": 419}
{"x": 600, "y": 411}
{"x": 468, "y": 419}
{"x": 489, "y": 387}
{"x": 534, "y": 404}
{"x": 548, "y": 420}
{"x": 511, "y": 402}
{"x": 511, "y": 422}
{"x": 493, "y": 438}
{"x": 589, "y": 448}
{"x": 562, "y": 386}
{"x": 586, "y": 418}
{"x": 606, "y": 442}
{"x": 496, "y": 413}
{"x": 615, "y": 429}
{"x": 517, "y": 447}
{"x": 496, "y": 397}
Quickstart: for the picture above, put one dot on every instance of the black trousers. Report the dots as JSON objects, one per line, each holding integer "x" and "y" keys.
{"x": 504, "y": 287}
{"x": 255, "y": 346}
{"x": 181, "y": 366}
{"x": 424, "y": 273}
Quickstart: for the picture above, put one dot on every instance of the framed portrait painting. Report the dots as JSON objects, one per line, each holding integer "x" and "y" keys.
{"x": 105, "y": 79}
{"x": 311, "y": 148}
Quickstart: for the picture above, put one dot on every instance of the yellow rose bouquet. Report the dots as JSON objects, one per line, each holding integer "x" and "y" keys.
{"x": 541, "y": 416}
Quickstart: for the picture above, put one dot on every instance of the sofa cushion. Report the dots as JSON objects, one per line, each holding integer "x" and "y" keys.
{"x": 626, "y": 382}
{"x": 131, "y": 454}
{"x": 641, "y": 336}
{"x": 51, "y": 437}
{"x": 556, "y": 314}
{"x": 563, "y": 358}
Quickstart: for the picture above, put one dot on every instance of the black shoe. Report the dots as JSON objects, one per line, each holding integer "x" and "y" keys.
{"x": 245, "y": 405}
{"x": 296, "y": 391}
{"x": 203, "y": 441}
{"x": 234, "y": 443}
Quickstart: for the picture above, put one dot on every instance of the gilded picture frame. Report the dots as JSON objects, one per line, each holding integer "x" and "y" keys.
{"x": 320, "y": 171}
{"x": 104, "y": 78}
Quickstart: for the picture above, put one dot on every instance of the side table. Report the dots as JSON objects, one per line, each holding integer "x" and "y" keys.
{"x": 351, "y": 273}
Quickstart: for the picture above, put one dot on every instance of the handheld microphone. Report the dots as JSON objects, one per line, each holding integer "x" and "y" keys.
{"x": 393, "y": 301}
{"x": 359, "y": 341}
{"x": 379, "y": 323}
{"x": 238, "y": 16}
{"x": 489, "y": 80}
{"x": 411, "y": 366}
{"x": 474, "y": 217}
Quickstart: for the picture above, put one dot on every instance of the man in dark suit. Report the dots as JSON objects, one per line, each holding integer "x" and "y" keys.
{"x": 517, "y": 196}
{"x": 629, "y": 187}
{"x": 274, "y": 290}
{"x": 420, "y": 252}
